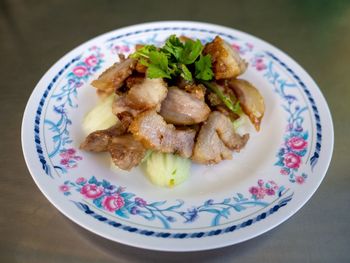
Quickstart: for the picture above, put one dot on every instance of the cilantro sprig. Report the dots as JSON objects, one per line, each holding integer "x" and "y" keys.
{"x": 175, "y": 58}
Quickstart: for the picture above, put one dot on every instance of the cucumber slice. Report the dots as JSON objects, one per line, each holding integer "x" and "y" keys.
{"x": 100, "y": 117}
{"x": 166, "y": 169}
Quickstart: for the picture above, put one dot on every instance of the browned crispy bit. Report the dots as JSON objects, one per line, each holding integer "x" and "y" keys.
{"x": 226, "y": 61}
{"x": 113, "y": 78}
{"x": 98, "y": 141}
{"x": 126, "y": 152}
{"x": 141, "y": 96}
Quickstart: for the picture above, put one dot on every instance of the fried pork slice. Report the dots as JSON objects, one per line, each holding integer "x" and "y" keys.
{"x": 226, "y": 61}
{"x": 98, "y": 141}
{"x": 142, "y": 95}
{"x": 154, "y": 133}
{"x": 113, "y": 78}
{"x": 182, "y": 108}
{"x": 216, "y": 140}
{"x": 250, "y": 99}
{"x": 126, "y": 152}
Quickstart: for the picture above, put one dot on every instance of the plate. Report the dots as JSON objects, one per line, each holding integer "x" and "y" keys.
{"x": 220, "y": 205}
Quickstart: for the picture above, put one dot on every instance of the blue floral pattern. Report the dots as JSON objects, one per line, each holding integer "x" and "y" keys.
{"x": 124, "y": 204}
{"x": 65, "y": 98}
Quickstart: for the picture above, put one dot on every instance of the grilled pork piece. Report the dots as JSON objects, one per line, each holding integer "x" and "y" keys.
{"x": 150, "y": 128}
{"x": 182, "y": 108}
{"x": 226, "y": 61}
{"x": 216, "y": 139}
{"x": 142, "y": 95}
{"x": 113, "y": 78}
{"x": 250, "y": 99}
{"x": 98, "y": 141}
{"x": 126, "y": 152}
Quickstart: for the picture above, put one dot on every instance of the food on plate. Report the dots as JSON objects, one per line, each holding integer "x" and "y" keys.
{"x": 167, "y": 106}
{"x": 166, "y": 169}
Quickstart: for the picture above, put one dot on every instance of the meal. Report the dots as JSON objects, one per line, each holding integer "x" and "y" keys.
{"x": 162, "y": 107}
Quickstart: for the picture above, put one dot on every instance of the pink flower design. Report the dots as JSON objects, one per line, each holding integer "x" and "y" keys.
{"x": 284, "y": 172}
{"x": 91, "y": 60}
{"x": 71, "y": 151}
{"x": 91, "y": 191}
{"x": 259, "y": 64}
{"x": 64, "y": 188}
{"x": 80, "y": 180}
{"x": 300, "y": 179}
{"x": 64, "y": 161}
{"x": 113, "y": 202}
{"x": 236, "y": 47}
{"x": 261, "y": 193}
{"x": 122, "y": 48}
{"x": 270, "y": 191}
{"x": 254, "y": 190}
{"x": 69, "y": 158}
{"x": 292, "y": 160}
{"x": 140, "y": 202}
{"x": 250, "y": 46}
{"x": 297, "y": 143}
{"x": 80, "y": 71}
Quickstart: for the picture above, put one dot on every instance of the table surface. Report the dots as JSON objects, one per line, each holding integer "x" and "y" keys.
{"x": 34, "y": 34}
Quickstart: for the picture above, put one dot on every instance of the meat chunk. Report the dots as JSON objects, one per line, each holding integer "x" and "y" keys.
{"x": 154, "y": 133}
{"x": 197, "y": 91}
{"x": 126, "y": 152}
{"x": 226, "y": 61}
{"x": 98, "y": 141}
{"x": 113, "y": 78}
{"x": 143, "y": 95}
{"x": 182, "y": 108}
{"x": 216, "y": 139}
{"x": 250, "y": 99}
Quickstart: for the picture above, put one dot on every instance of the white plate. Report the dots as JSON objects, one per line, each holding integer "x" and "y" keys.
{"x": 220, "y": 205}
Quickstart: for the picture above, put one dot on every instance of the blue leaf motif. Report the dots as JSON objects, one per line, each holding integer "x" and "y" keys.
{"x": 170, "y": 208}
{"x": 155, "y": 204}
{"x": 98, "y": 201}
{"x": 236, "y": 199}
{"x": 238, "y": 207}
{"x": 127, "y": 196}
{"x": 93, "y": 180}
{"x": 105, "y": 184}
{"x": 226, "y": 201}
{"x": 122, "y": 212}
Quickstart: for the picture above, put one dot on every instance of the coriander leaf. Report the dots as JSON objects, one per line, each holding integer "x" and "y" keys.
{"x": 191, "y": 51}
{"x": 203, "y": 69}
{"x": 154, "y": 72}
{"x": 143, "y": 61}
{"x": 143, "y": 52}
{"x": 234, "y": 107}
{"x": 159, "y": 59}
{"x": 173, "y": 46}
{"x": 185, "y": 73}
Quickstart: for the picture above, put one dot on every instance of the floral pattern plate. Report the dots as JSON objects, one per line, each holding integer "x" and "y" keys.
{"x": 262, "y": 186}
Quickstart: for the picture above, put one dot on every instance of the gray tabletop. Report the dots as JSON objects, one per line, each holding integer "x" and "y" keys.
{"x": 34, "y": 34}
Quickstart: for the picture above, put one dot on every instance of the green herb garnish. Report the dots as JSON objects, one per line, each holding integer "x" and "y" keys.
{"x": 175, "y": 58}
{"x": 229, "y": 102}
